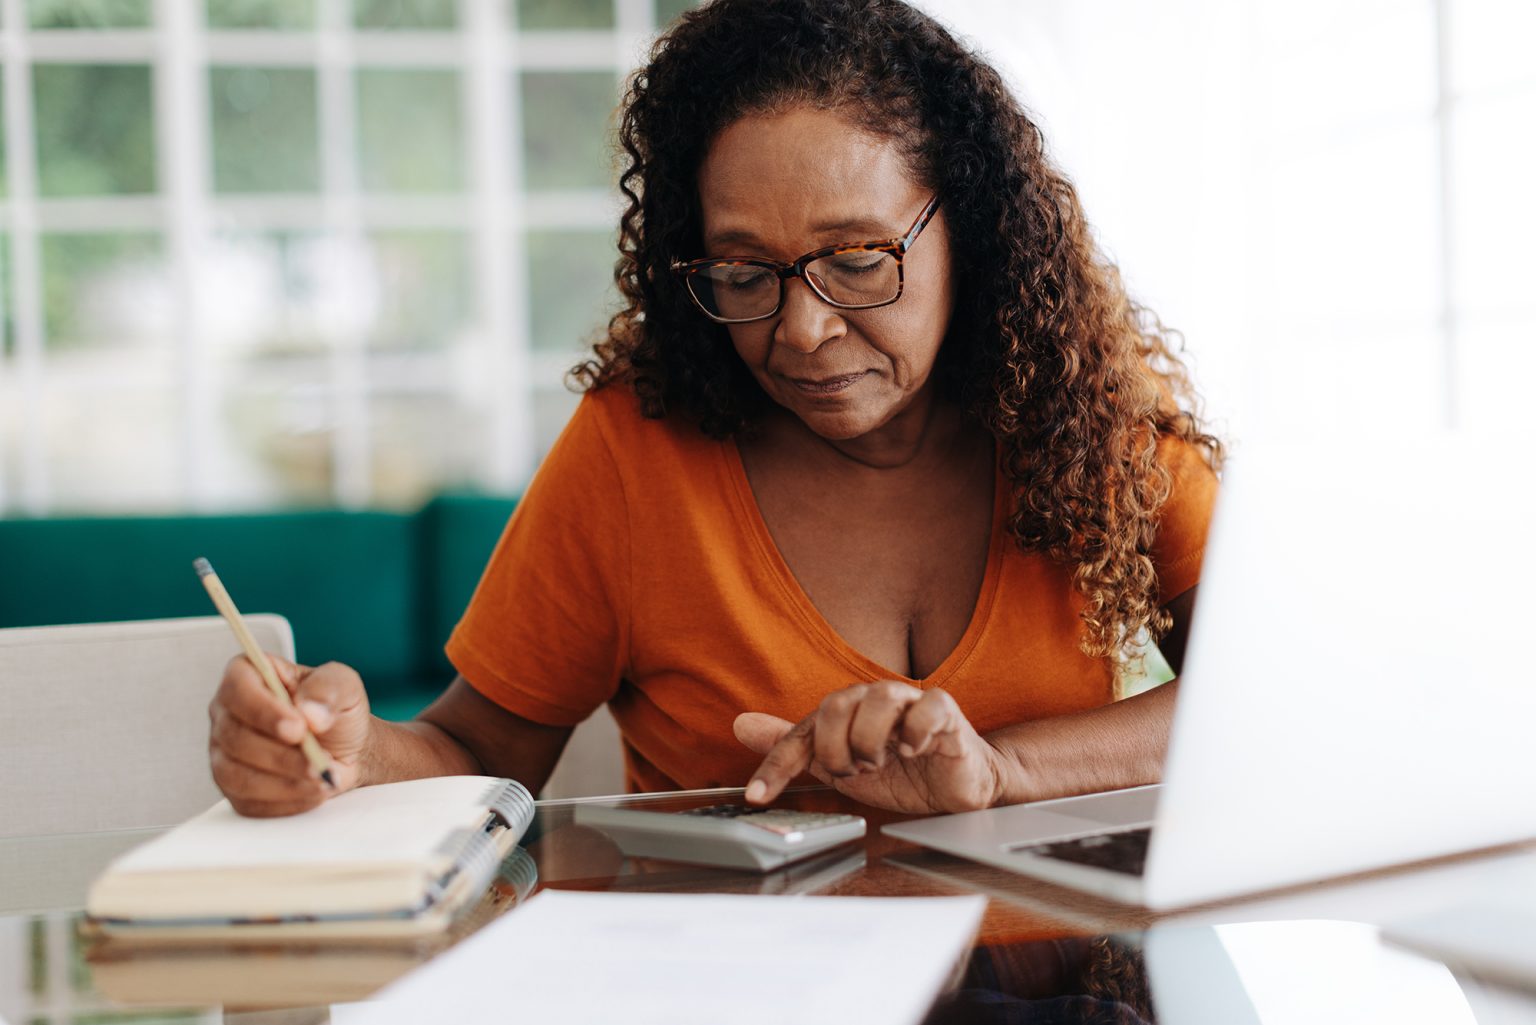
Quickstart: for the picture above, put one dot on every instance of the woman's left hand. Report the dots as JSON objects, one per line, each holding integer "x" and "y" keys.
{"x": 885, "y": 744}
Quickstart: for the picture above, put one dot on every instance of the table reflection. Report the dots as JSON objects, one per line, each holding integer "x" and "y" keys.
{"x": 1043, "y": 954}
{"x": 1100, "y": 980}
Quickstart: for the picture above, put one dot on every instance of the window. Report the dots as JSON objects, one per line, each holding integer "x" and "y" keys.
{"x": 256, "y": 252}
{"x": 343, "y": 251}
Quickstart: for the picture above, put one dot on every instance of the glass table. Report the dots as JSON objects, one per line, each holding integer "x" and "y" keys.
{"x": 1043, "y": 954}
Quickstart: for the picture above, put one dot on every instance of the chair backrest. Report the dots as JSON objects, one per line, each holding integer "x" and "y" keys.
{"x": 105, "y": 726}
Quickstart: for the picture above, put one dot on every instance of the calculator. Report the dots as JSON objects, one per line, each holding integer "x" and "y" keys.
{"x": 725, "y": 835}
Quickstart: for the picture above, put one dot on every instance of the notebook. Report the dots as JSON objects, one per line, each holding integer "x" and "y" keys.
{"x": 1354, "y": 692}
{"x": 292, "y": 974}
{"x": 394, "y": 860}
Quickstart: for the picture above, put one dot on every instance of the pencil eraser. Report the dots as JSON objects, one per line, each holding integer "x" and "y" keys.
{"x": 202, "y": 566}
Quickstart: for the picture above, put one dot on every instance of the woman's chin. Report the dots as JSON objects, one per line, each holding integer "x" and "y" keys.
{"x": 838, "y": 425}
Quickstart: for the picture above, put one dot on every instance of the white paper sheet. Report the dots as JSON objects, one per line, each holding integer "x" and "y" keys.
{"x": 681, "y": 959}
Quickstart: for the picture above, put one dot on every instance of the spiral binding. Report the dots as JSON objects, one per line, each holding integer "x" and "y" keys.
{"x": 512, "y": 802}
{"x": 520, "y": 871}
{"x": 474, "y": 854}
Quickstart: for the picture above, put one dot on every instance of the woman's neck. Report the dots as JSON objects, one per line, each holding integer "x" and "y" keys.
{"x": 926, "y": 432}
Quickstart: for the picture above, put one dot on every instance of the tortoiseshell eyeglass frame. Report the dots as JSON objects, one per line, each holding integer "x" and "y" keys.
{"x": 895, "y": 247}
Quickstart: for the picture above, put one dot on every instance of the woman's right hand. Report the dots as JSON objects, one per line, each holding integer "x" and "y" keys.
{"x": 253, "y": 742}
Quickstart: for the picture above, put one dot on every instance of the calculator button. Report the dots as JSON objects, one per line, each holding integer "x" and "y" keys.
{"x": 788, "y": 822}
{"x": 774, "y": 820}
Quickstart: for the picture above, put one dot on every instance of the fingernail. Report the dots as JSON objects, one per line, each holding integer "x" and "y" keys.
{"x": 320, "y": 717}
{"x": 756, "y": 791}
{"x": 906, "y": 750}
{"x": 290, "y": 730}
{"x": 865, "y": 765}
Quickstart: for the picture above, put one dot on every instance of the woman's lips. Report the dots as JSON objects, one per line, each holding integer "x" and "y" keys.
{"x": 827, "y": 385}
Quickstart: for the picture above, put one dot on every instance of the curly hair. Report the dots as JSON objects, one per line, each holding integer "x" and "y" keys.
{"x": 1076, "y": 382}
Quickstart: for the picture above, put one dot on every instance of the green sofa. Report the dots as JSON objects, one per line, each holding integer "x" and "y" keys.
{"x": 379, "y": 591}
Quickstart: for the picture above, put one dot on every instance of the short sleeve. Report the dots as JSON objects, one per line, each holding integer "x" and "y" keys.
{"x": 546, "y": 633}
{"x": 1185, "y": 520}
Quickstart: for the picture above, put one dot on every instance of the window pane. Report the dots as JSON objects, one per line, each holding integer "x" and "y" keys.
{"x": 265, "y": 134}
{"x": 88, "y": 13}
{"x": 571, "y": 282}
{"x": 1320, "y": 86}
{"x": 668, "y": 10}
{"x": 10, "y": 442}
{"x": 423, "y": 444}
{"x": 404, "y": 14}
{"x": 95, "y": 129}
{"x": 7, "y": 321}
{"x": 270, "y": 14}
{"x": 1493, "y": 207}
{"x": 277, "y": 433}
{"x": 112, "y": 450}
{"x": 1495, "y": 363}
{"x": 566, "y": 128}
{"x": 410, "y": 134}
{"x": 564, "y": 14}
{"x": 552, "y": 407}
{"x": 423, "y": 288}
{"x": 1352, "y": 230}
{"x": 1491, "y": 43}
{"x": 1351, "y": 382}
{"x": 107, "y": 292}
{"x": 5, "y": 186}
{"x": 266, "y": 292}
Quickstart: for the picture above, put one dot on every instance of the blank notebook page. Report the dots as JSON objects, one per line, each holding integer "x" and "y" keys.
{"x": 403, "y": 822}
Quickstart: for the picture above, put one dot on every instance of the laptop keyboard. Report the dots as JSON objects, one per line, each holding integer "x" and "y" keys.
{"x": 1124, "y": 852}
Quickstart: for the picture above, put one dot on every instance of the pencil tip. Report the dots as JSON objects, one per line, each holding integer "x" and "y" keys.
{"x": 330, "y": 780}
{"x": 202, "y": 566}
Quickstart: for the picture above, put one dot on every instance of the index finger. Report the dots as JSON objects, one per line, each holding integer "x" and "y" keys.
{"x": 785, "y": 760}
{"x": 245, "y": 695}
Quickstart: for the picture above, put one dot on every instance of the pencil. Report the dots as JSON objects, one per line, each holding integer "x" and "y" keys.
{"x": 318, "y": 759}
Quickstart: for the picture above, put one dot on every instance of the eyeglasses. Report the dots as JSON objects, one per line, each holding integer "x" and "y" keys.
{"x": 853, "y": 276}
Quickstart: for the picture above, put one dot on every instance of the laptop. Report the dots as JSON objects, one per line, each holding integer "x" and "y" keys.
{"x": 1356, "y": 691}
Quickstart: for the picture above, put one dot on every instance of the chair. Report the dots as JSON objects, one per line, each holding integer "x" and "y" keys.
{"x": 105, "y": 726}
{"x": 593, "y": 761}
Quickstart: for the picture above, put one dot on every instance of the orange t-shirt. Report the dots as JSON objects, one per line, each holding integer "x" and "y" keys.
{"x": 638, "y": 571}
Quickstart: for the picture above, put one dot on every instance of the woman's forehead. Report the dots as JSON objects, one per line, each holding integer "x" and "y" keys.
{"x": 804, "y": 173}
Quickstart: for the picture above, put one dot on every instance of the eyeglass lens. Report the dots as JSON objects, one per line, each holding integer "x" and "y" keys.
{"x": 746, "y": 291}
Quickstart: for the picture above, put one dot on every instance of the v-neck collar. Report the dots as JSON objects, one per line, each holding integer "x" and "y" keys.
{"x": 816, "y": 625}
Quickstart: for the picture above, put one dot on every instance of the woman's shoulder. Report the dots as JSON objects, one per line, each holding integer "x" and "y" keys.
{"x": 1184, "y": 520}
{"x": 612, "y": 415}
{"x": 1186, "y": 462}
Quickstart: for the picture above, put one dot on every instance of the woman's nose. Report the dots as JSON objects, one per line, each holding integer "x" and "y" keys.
{"x": 806, "y": 323}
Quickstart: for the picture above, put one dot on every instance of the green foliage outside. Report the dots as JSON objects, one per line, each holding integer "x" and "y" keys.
{"x": 404, "y": 14}
{"x": 266, "y": 136}
{"x": 571, "y": 280}
{"x": 668, "y": 10}
{"x": 7, "y": 322}
{"x": 410, "y": 133}
{"x": 5, "y": 185}
{"x": 425, "y": 286}
{"x": 95, "y": 129}
{"x": 89, "y": 13}
{"x": 565, "y": 14}
{"x": 70, "y": 263}
{"x": 261, "y": 14}
{"x": 567, "y": 128}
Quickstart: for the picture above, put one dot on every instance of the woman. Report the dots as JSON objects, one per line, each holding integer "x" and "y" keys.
{"x": 892, "y": 512}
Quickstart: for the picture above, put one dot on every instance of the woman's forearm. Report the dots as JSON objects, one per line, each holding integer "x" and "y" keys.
{"x": 1118, "y": 745}
{"x": 410, "y": 750}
